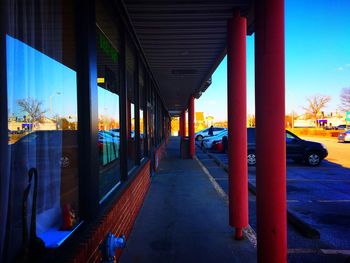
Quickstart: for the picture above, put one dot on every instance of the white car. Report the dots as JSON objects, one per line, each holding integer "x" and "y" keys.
{"x": 208, "y": 142}
{"x": 344, "y": 136}
{"x": 205, "y": 133}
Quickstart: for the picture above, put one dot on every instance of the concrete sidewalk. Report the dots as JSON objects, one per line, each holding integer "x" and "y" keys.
{"x": 184, "y": 219}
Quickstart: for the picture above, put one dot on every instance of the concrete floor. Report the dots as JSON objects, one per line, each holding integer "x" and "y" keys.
{"x": 184, "y": 219}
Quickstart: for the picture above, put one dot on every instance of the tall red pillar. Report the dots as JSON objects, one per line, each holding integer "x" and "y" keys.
{"x": 184, "y": 124}
{"x": 237, "y": 124}
{"x": 191, "y": 126}
{"x": 180, "y": 126}
{"x": 270, "y": 131}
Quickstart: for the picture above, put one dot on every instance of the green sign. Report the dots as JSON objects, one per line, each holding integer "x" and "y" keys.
{"x": 107, "y": 47}
{"x": 347, "y": 116}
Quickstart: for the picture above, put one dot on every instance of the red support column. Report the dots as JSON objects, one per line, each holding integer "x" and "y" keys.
{"x": 184, "y": 124}
{"x": 237, "y": 124}
{"x": 191, "y": 126}
{"x": 270, "y": 131}
{"x": 180, "y": 126}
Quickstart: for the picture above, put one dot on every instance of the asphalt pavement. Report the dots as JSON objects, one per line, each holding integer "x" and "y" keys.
{"x": 317, "y": 197}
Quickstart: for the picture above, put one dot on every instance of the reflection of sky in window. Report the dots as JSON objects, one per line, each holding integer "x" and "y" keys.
{"x": 31, "y": 73}
{"x": 108, "y": 104}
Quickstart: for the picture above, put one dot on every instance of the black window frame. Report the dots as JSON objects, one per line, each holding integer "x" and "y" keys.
{"x": 87, "y": 101}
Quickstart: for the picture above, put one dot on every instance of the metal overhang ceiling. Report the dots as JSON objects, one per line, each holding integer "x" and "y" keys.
{"x": 183, "y": 42}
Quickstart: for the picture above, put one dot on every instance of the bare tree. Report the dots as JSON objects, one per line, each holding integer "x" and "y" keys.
{"x": 34, "y": 109}
{"x": 315, "y": 104}
{"x": 345, "y": 99}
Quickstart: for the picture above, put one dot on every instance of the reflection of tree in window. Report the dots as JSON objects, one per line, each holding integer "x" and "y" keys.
{"x": 108, "y": 106}
{"x": 131, "y": 78}
{"x": 41, "y": 62}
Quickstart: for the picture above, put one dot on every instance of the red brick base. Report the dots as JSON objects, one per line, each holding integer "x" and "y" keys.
{"x": 159, "y": 154}
{"x": 119, "y": 220}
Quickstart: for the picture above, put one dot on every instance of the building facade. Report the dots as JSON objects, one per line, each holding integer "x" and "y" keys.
{"x": 85, "y": 128}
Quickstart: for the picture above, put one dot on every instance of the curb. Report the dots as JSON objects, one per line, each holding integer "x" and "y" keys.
{"x": 304, "y": 228}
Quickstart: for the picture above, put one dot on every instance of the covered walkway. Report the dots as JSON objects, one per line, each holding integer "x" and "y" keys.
{"x": 183, "y": 218}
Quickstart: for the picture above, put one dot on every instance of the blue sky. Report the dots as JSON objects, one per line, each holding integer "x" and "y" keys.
{"x": 35, "y": 75}
{"x": 317, "y": 48}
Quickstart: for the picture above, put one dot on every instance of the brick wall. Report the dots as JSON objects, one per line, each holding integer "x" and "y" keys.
{"x": 119, "y": 220}
{"x": 158, "y": 155}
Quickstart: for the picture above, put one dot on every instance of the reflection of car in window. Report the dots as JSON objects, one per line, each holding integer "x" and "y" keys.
{"x": 46, "y": 147}
{"x": 108, "y": 146}
{"x": 115, "y": 132}
{"x": 54, "y": 155}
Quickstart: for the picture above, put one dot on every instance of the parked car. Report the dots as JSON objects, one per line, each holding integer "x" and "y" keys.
{"x": 208, "y": 141}
{"x": 106, "y": 136}
{"x": 299, "y": 150}
{"x": 115, "y": 131}
{"x": 344, "y": 136}
{"x": 341, "y": 127}
{"x": 205, "y": 133}
{"x": 54, "y": 147}
{"x": 108, "y": 145}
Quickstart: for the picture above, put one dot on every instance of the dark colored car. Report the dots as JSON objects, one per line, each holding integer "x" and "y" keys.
{"x": 299, "y": 150}
{"x": 341, "y": 127}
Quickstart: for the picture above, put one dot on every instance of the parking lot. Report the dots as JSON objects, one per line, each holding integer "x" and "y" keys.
{"x": 318, "y": 196}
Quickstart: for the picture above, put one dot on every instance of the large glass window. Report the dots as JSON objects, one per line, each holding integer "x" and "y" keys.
{"x": 130, "y": 82}
{"x": 42, "y": 124}
{"x": 142, "y": 109}
{"x": 151, "y": 118}
{"x": 108, "y": 102}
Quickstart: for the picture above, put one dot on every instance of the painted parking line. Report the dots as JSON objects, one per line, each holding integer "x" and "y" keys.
{"x": 221, "y": 179}
{"x": 333, "y": 201}
{"x": 318, "y": 251}
{"x": 248, "y": 232}
{"x": 317, "y": 201}
{"x": 318, "y": 180}
{"x": 216, "y": 186}
{"x": 303, "y": 251}
{"x": 335, "y": 251}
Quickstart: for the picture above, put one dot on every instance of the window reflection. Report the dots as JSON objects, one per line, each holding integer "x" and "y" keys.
{"x": 142, "y": 107}
{"x": 130, "y": 81}
{"x": 42, "y": 124}
{"x": 108, "y": 108}
{"x": 108, "y": 140}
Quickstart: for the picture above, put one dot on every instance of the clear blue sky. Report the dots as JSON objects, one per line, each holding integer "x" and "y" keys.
{"x": 35, "y": 75}
{"x": 317, "y": 46}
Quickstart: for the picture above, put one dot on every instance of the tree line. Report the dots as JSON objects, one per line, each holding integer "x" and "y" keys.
{"x": 316, "y": 103}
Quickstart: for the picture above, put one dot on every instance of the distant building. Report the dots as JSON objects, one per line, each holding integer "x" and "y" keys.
{"x": 329, "y": 120}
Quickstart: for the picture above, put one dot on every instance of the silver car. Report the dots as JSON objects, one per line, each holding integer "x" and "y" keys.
{"x": 205, "y": 133}
{"x": 208, "y": 142}
{"x": 344, "y": 136}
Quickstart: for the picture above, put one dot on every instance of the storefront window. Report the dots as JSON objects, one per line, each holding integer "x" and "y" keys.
{"x": 42, "y": 124}
{"x": 108, "y": 104}
{"x": 130, "y": 82}
{"x": 142, "y": 107}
